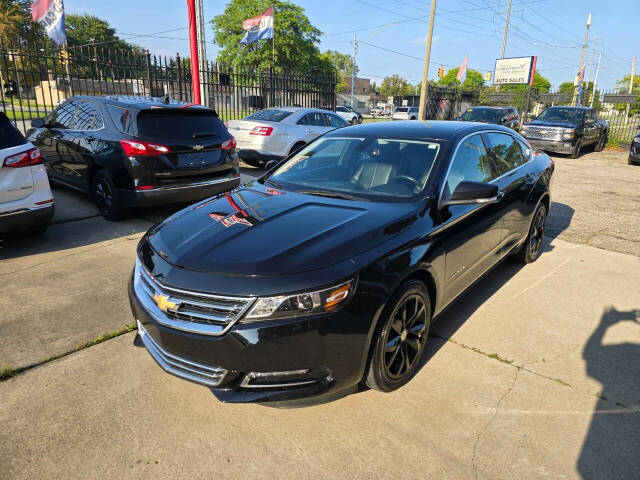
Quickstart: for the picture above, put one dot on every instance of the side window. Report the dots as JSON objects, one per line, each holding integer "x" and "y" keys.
{"x": 122, "y": 118}
{"x": 335, "y": 121}
{"x": 63, "y": 116}
{"x": 316, "y": 119}
{"x": 304, "y": 120}
{"x": 592, "y": 116}
{"x": 87, "y": 117}
{"x": 505, "y": 152}
{"x": 526, "y": 150}
{"x": 472, "y": 163}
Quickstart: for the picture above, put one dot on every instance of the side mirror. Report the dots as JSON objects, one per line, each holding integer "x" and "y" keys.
{"x": 270, "y": 164}
{"x": 467, "y": 193}
{"x": 38, "y": 123}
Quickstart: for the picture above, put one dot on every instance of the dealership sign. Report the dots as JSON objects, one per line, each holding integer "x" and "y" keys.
{"x": 514, "y": 70}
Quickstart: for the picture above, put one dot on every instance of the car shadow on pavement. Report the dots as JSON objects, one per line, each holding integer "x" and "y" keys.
{"x": 559, "y": 219}
{"x": 612, "y": 445}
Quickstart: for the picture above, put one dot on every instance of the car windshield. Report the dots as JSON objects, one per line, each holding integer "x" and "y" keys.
{"x": 559, "y": 114}
{"x": 341, "y": 109}
{"x": 363, "y": 167}
{"x": 483, "y": 115}
{"x": 269, "y": 115}
{"x": 178, "y": 123}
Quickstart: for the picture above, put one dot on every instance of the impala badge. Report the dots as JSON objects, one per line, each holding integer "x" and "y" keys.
{"x": 198, "y": 147}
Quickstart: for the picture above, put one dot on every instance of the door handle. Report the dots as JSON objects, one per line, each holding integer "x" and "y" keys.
{"x": 309, "y": 131}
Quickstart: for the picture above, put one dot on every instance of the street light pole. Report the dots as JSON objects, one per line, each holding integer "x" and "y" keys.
{"x": 424, "y": 90}
{"x": 506, "y": 30}
{"x": 593, "y": 54}
{"x": 578, "y": 88}
{"x": 633, "y": 69}
{"x": 353, "y": 69}
{"x": 595, "y": 80}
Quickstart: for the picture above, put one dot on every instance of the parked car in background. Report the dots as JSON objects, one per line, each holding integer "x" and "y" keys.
{"x": 566, "y": 130}
{"x": 507, "y": 116}
{"x": 351, "y": 109}
{"x": 381, "y": 111}
{"x": 405, "y": 113}
{"x": 274, "y": 133}
{"x": 348, "y": 115}
{"x": 328, "y": 270}
{"x": 26, "y": 202}
{"x": 634, "y": 153}
{"x": 134, "y": 151}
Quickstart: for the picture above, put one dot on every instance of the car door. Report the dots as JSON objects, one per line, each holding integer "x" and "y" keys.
{"x": 50, "y": 140}
{"x": 515, "y": 181}
{"x": 472, "y": 233}
{"x": 80, "y": 142}
{"x": 334, "y": 121}
{"x": 590, "y": 127}
{"x": 313, "y": 125}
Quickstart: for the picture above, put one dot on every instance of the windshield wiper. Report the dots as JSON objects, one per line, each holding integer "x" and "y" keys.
{"x": 203, "y": 135}
{"x": 275, "y": 184}
{"x": 331, "y": 194}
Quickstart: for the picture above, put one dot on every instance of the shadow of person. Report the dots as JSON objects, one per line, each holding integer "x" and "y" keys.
{"x": 559, "y": 219}
{"x": 612, "y": 446}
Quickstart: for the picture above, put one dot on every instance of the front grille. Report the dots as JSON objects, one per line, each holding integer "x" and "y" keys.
{"x": 543, "y": 133}
{"x": 179, "y": 366}
{"x": 188, "y": 310}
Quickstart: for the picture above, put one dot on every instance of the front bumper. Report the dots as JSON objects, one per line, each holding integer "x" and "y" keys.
{"x": 179, "y": 193}
{"x": 313, "y": 357}
{"x": 556, "y": 146}
{"x": 25, "y": 219}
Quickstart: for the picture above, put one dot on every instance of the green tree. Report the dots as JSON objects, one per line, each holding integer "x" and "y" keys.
{"x": 540, "y": 84}
{"x": 474, "y": 80}
{"x": 295, "y": 40}
{"x": 622, "y": 86}
{"x": 16, "y": 23}
{"x": 343, "y": 65}
{"x": 395, "y": 85}
{"x": 85, "y": 29}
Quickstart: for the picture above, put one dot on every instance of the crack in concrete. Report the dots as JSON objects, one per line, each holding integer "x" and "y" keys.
{"x": 493, "y": 417}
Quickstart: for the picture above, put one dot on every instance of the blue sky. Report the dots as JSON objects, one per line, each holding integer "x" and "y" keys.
{"x": 551, "y": 29}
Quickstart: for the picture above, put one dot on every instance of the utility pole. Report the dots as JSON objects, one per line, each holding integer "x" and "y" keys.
{"x": 193, "y": 48}
{"x": 506, "y": 30}
{"x": 593, "y": 54}
{"x": 633, "y": 69}
{"x": 577, "y": 91}
{"x": 424, "y": 90}
{"x": 353, "y": 69}
{"x": 595, "y": 81}
{"x": 202, "y": 52}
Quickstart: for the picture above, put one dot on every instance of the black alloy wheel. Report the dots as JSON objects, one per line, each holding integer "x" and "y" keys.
{"x": 359, "y": 119}
{"x": 532, "y": 247}
{"x": 104, "y": 194}
{"x": 401, "y": 338}
{"x": 600, "y": 143}
{"x": 577, "y": 148}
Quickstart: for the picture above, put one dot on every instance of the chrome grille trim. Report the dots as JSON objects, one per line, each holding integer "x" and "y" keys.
{"x": 179, "y": 366}
{"x": 550, "y": 133}
{"x": 194, "y": 312}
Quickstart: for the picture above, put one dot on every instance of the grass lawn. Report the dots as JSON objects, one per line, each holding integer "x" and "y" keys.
{"x": 376, "y": 119}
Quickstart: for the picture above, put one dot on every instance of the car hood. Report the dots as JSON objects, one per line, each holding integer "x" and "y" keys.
{"x": 258, "y": 230}
{"x": 542, "y": 123}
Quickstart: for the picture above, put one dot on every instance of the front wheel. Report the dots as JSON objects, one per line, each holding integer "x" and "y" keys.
{"x": 400, "y": 338}
{"x": 354, "y": 120}
{"x": 577, "y": 148}
{"x": 530, "y": 251}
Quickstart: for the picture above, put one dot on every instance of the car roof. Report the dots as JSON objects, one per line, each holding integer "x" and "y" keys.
{"x": 139, "y": 102}
{"x": 573, "y": 107}
{"x": 427, "y": 129}
{"x": 493, "y": 107}
{"x": 297, "y": 109}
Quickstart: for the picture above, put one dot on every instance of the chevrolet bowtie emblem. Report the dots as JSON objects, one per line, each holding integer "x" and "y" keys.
{"x": 163, "y": 302}
{"x": 543, "y": 132}
{"x": 198, "y": 147}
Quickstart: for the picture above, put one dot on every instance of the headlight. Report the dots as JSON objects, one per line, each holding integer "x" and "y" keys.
{"x": 307, "y": 303}
{"x": 568, "y": 133}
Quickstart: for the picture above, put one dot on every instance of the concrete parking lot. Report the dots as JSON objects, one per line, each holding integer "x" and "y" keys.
{"x": 534, "y": 373}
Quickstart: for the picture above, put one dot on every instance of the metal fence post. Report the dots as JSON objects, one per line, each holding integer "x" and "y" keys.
{"x": 179, "y": 74}
{"x": 149, "y": 72}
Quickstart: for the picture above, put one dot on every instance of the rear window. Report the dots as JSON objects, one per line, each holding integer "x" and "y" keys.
{"x": 269, "y": 115}
{"x": 9, "y": 135}
{"x": 179, "y": 124}
{"x": 402, "y": 109}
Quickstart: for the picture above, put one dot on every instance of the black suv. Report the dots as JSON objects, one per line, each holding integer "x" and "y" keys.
{"x": 135, "y": 151}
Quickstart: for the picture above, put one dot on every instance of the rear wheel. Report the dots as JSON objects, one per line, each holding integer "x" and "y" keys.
{"x": 296, "y": 147}
{"x": 530, "y": 251}
{"x": 359, "y": 120}
{"x": 600, "y": 143}
{"x": 105, "y": 196}
{"x": 400, "y": 338}
{"x": 577, "y": 148}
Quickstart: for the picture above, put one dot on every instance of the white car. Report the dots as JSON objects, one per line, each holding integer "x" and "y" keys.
{"x": 405, "y": 113}
{"x": 347, "y": 114}
{"x": 275, "y": 133}
{"x": 26, "y": 202}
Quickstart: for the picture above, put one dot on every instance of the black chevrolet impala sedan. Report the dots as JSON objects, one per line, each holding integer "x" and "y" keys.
{"x": 326, "y": 273}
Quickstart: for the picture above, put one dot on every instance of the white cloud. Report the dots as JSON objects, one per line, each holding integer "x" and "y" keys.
{"x": 423, "y": 40}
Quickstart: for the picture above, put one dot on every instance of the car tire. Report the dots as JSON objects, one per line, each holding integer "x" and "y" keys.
{"x": 106, "y": 198}
{"x": 600, "y": 143}
{"x": 532, "y": 247}
{"x": 359, "y": 120}
{"x": 400, "y": 338}
{"x": 354, "y": 120}
{"x": 297, "y": 146}
{"x": 577, "y": 148}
